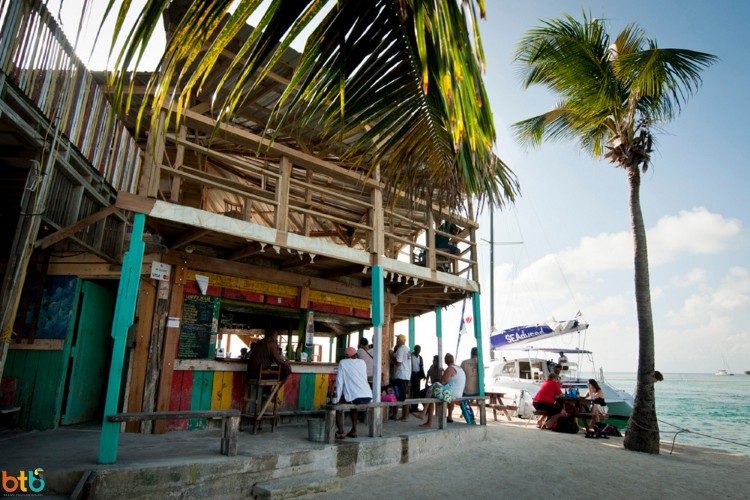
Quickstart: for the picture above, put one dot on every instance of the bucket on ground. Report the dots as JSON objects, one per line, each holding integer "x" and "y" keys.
{"x": 316, "y": 430}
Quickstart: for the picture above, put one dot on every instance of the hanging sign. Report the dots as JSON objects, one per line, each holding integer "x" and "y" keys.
{"x": 202, "y": 283}
{"x": 160, "y": 271}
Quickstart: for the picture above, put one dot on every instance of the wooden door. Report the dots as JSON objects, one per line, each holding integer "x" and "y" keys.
{"x": 88, "y": 366}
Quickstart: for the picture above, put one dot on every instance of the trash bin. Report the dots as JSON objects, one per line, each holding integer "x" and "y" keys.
{"x": 316, "y": 430}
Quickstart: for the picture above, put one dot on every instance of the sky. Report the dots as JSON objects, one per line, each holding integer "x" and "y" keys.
{"x": 573, "y": 215}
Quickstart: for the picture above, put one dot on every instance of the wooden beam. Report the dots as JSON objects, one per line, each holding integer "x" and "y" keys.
{"x": 241, "y": 270}
{"x": 189, "y": 236}
{"x": 134, "y": 203}
{"x": 343, "y": 271}
{"x": 246, "y": 251}
{"x": 60, "y": 235}
{"x": 282, "y": 195}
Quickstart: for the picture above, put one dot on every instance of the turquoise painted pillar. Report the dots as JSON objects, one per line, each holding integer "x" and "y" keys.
{"x": 330, "y": 350}
{"x": 439, "y": 333}
{"x": 412, "y": 335}
{"x": 475, "y": 303}
{"x": 378, "y": 317}
{"x": 127, "y": 296}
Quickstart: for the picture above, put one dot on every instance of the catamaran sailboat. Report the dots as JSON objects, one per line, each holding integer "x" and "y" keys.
{"x": 521, "y": 370}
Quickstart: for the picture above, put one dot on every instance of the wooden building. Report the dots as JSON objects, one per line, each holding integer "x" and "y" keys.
{"x": 230, "y": 230}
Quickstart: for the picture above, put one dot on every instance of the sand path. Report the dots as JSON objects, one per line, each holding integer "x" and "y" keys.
{"x": 517, "y": 462}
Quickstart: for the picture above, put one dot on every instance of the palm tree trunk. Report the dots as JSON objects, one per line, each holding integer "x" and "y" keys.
{"x": 643, "y": 428}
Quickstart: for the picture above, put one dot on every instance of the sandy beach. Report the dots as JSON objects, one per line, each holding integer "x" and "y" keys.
{"x": 525, "y": 462}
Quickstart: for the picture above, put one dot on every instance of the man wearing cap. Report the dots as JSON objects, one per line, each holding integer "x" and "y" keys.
{"x": 351, "y": 387}
{"x": 402, "y": 362}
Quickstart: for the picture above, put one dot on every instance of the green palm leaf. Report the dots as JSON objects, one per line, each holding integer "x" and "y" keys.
{"x": 384, "y": 82}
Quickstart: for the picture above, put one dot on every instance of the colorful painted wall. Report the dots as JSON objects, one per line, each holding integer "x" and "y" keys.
{"x": 216, "y": 390}
{"x": 40, "y": 373}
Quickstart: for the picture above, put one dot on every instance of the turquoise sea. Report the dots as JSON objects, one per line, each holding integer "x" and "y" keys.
{"x": 704, "y": 403}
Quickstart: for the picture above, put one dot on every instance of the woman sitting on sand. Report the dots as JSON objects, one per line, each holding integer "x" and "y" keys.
{"x": 598, "y": 405}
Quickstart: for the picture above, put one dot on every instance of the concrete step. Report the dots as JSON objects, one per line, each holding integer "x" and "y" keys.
{"x": 292, "y": 487}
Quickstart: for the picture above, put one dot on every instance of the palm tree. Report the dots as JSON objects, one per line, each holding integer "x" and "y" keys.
{"x": 612, "y": 95}
{"x": 397, "y": 82}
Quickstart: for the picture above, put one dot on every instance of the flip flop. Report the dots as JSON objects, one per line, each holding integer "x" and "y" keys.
{"x": 340, "y": 435}
{"x": 351, "y": 435}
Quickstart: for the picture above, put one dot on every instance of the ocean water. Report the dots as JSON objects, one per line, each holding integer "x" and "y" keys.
{"x": 703, "y": 403}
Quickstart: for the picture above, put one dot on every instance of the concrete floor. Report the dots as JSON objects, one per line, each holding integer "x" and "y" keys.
{"x": 188, "y": 464}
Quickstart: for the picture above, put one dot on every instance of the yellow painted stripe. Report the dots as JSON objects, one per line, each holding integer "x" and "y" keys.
{"x": 321, "y": 390}
{"x": 257, "y": 286}
{"x": 339, "y": 300}
{"x": 221, "y": 391}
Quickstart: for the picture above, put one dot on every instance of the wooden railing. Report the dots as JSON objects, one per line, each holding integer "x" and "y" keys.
{"x": 37, "y": 58}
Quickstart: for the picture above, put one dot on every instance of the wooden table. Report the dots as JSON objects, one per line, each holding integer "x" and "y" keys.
{"x": 496, "y": 402}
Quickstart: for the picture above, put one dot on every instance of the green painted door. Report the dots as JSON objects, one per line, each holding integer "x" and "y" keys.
{"x": 87, "y": 371}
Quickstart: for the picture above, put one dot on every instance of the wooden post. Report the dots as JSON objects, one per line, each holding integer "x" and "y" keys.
{"x": 174, "y": 191}
{"x": 431, "y": 257}
{"x": 308, "y": 201}
{"x": 127, "y": 295}
{"x": 475, "y": 302}
{"x": 158, "y": 327}
{"x": 171, "y": 341}
{"x": 330, "y": 426}
{"x": 377, "y": 220}
{"x": 473, "y": 242}
{"x": 139, "y": 357}
{"x": 282, "y": 195}
{"x": 229, "y": 434}
{"x": 154, "y": 155}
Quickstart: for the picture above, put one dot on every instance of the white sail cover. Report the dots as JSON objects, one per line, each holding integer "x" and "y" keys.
{"x": 523, "y": 334}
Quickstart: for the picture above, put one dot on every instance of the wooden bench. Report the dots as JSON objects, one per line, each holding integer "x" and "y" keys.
{"x": 375, "y": 420}
{"x": 229, "y": 428}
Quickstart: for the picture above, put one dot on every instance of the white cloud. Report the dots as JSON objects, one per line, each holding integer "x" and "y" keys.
{"x": 692, "y": 277}
{"x": 732, "y": 294}
{"x": 614, "y": 305}
{"x": 697, "y": 231}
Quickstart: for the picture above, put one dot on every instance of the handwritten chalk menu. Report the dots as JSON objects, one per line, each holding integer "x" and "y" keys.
{"x": 199, "y": 323}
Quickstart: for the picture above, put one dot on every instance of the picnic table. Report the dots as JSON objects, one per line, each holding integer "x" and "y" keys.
{"x": 496, "y": 403}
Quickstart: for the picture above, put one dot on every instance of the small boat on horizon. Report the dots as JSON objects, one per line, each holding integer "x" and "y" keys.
{"x": 724, "y": 371}
{"x": 747, "y": 372}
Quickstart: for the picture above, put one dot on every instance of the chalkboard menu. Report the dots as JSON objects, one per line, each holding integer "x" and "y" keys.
{"x": 199, "y": 323}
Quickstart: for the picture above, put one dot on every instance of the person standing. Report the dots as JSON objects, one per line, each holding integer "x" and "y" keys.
{"x": 365, "y": 354}
{"x": 402, "y": 374}
{"x": 417, "y": 375}
{"x": 351, "y": 387}
{"x": 469, "y": 366}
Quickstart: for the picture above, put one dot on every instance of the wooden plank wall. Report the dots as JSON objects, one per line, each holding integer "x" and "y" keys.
{"x": 40, "y": 378}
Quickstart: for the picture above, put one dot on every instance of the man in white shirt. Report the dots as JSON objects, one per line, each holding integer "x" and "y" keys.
{"x": 351, "y": 387}
{"x": 402, "y": 362}
{"x": 365, "y": 354}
